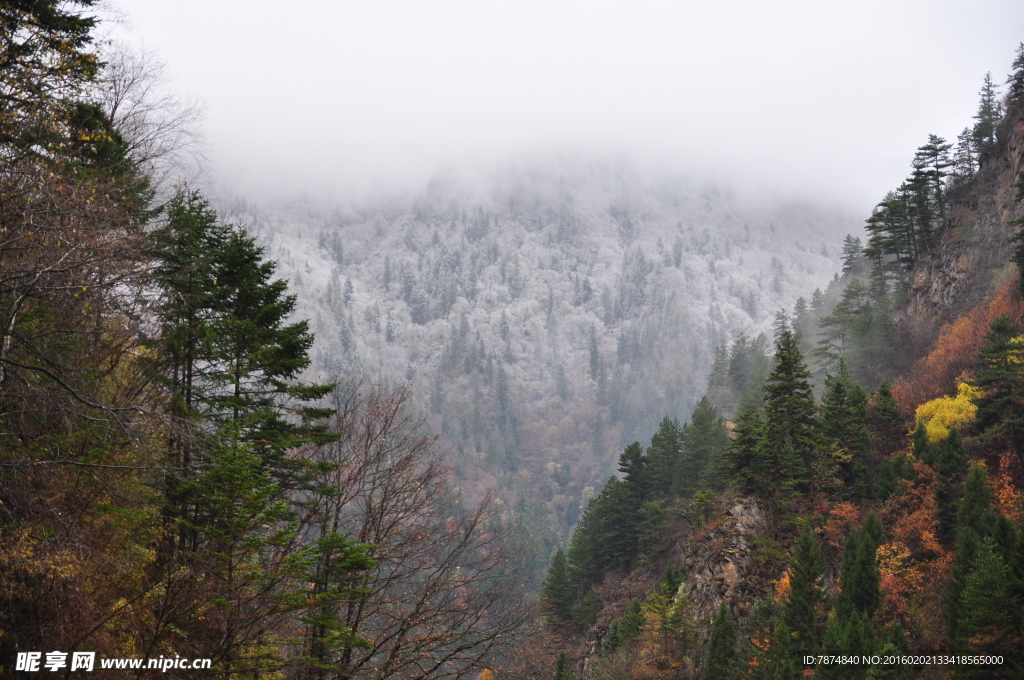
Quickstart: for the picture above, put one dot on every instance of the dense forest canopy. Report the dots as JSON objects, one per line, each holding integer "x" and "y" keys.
{"x": 170, "y": 485}
{"x": 836, "y": 514}
{"x": 186, "y": 472}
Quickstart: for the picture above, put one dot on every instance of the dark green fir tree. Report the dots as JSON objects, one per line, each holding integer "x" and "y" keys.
{"x": 790, "y": 435}
{"x": 722, "y": 660}
{"x": 706, "y": 441}
{"x": 990, "y": 111}
{"x": 557, "y": 592}
{"x": 802, "y": 611}
{"x": 843, "y": 410}
{"x": 999, "y": 374}
{"x": 988, "y": 612}
{"x": 851, "y": 636}
{"x": 563, "y": 671}
{"x": 950, "y": 470}
{"x": 663, "y": 455}
{"x": 1016, "y": 79}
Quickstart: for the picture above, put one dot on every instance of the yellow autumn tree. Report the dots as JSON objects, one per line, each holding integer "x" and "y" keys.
{"x": 938, "y": 415}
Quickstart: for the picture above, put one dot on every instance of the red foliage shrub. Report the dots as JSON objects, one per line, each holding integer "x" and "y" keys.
{"x": 954, "y": 353}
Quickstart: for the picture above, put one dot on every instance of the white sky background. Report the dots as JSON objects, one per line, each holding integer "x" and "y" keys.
{"x": 806, "y": 98}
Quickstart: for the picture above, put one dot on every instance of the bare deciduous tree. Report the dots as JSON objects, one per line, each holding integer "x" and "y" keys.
{"x": 161, "y": 129}
{"x": 441, "y": 602}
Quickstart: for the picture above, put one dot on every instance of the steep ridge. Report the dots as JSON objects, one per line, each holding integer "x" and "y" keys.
{"x": 973, "y": 255}
{"x": 735, "y": 553}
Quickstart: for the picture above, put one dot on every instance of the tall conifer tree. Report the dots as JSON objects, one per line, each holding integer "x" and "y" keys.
{"x": 990, "y": 111}
{"x": 950, "y": 469}
{"x": 706, "y": 441}
{"x": 1000, "y": 375}
{"x": 722, "y": 660}
{"x": 789, "y": 413}
{"x": 663, "y": 455}
{"x": 801, "y": 613}
{"x": 557, "y": 592}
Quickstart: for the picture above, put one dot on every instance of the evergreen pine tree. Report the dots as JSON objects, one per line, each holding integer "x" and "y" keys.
{"x": 634, "y": 466}
{"x": 706, "y": 441}
{"x": 860, "y": 579}
{"x": 967, "y": 545}
{"x": 664, "y": 454}
{"x": 751, "y": 393}
{"x": 853, "y": 255}
{"x": 817, "y": 302}
{"x": 894, "y": 636}
{"x": 872, "y": 531}
{"x": 719, "y": 377}
{"x": 990, "y": 111}
{"x": 563, "y": 671}
{"x": 632, "y": 620}
{"x": 185, "y": 250}
{"x": 885, "y": 423}
{"x": 605, "y": 538}
{"x": 722, "y": 660}
{"x": 801, "y": 613}
{"x": 988, "y": 612}
{"x": 1016, "y": 79}
{"x": 612, "y": 637}
{"x": 742, "y": 462}
{"x": 242, "y": 529}
{"x": 651, "y": 532}
{"x": 933, "y": 159}
{"x": 850, "y": 636}
{"x": 257, "y": 356}
{"x": 783, "y": 659}
{"x": 843, "y": 410}
{"x": 922, "y": 446}
{"x": 975, "y": 510}
{"x": 1000, "y": 375}
{"x": 230, "y": 355}
{"x": 965, "y": 158}
{"x": 844, "y": 604}
{"x": 950, "y": 469}
{"x": 336, "y": 567}
{"x": 889, "y": 671}
{"x": 557, "y": 592}
{"x": 586, "y": 556}
{"x": 790, "y": 424}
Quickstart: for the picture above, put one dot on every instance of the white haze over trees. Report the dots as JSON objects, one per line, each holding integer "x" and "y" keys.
{"x": 810, "y": 99}
{"x": 679, "y": 172}
{"x": 547, "y": 314}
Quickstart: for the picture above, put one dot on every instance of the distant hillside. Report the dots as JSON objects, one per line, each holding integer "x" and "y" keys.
{"x": 844, "y": 520}
{"x": 546, "y": 315}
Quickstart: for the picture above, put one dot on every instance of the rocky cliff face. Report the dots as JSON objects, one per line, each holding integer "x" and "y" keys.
{"x": 973, "y": 255}
{"x": 731, "y": 557}
{"x": 727, "y": 561}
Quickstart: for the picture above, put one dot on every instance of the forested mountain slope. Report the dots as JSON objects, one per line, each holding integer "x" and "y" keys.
{"x": 548, "y": 314}
{"x": 882, "y": 527}
{"x": 973, "y": 255}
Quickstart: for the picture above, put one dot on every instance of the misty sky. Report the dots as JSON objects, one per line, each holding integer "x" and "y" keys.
{"x": 808, "y": 98}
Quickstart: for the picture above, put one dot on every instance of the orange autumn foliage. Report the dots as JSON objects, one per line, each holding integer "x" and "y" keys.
{"x": 899, "y": 578}
{"x": 1006, "y": 495}
{"x": 894, "y": 599}
{"x": 954, "y": 352}
{"x": 782, "y": 588}
{"x": 912, "y": 514}
{"x": 841, "y": 517}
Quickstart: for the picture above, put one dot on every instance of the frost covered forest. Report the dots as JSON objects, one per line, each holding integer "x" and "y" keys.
{"x": 547, "y": 315}
{"x": 405, "y": 436}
